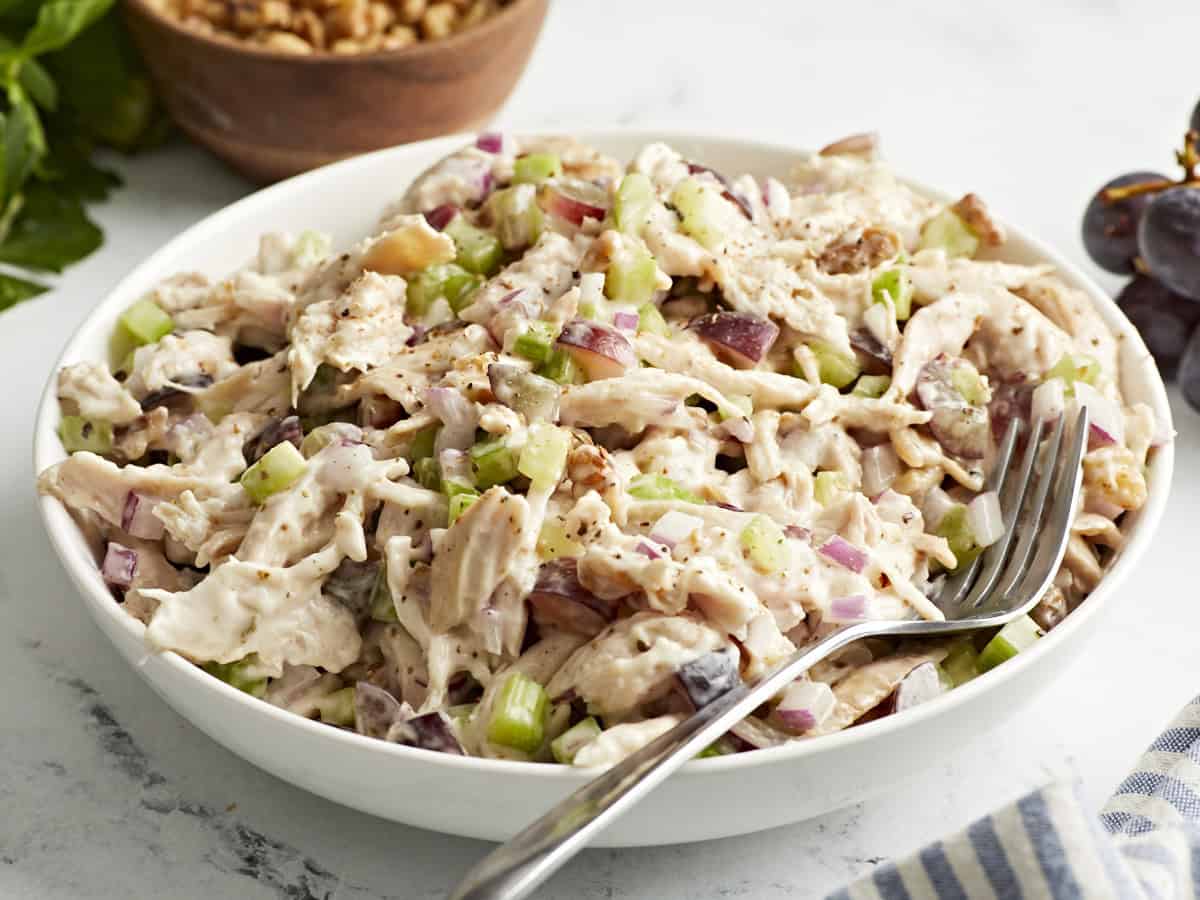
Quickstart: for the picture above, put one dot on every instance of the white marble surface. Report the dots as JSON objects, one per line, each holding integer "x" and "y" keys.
{"x": 105, "y": 793}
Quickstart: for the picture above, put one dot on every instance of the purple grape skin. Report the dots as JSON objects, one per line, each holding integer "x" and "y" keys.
{"x": 1110, "y": 229}
{"x": 431, "y": 731}
{"x": 1164, "y": 319}
{"x": 1189, "y": 371}
{"x": 1169, "y": 240}
{"x": 707, "y": 677}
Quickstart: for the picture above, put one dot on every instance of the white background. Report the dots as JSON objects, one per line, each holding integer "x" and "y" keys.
{"x": 104, "y": 792}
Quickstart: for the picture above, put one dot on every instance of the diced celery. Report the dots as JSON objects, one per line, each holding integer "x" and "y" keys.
{"x": 536, "y": 343}
{"x": 700, "y": 211}
{"x": 561, "y": 368}
{"x": 383, "y": 608}
{"x": 588, "y": 310}
{"x": 462, "y": 712}
{"x": 566, "y": 745}
{"x": 1075, "y": 367}
{"x": 245, "y": 674}
{"x": 635, "y": 198}
{"x": 961, "y": 663}
{"x": 1019, "y": 634}
{"x": 766, "y": 545}
{"x": 277, "y": 470}
{"x": 78, "y": 433}
{"x": 957, "y": 533}
{"x": 739, "y": 405}
{"x": 310, "y": 247}
{"x": 660, "y": 487}
{"x": 946, "y": 231}
{"x": 544, "y": 455}
{"x": 874, "y": 386}
{"x": 317, "y": 436}
{"x": 337, "y": 708}
{"x": 519, "y": 714}
{"x": 651, "y": 321}
{"x": 553, "y": 541}
{"x": 446, "y": 280}
{"x": 833, "y": 366}
{"x": 428, "y": 473}
{"x": 145, "y": 322}
{"x": 535, "y": 167}
{"x": 479, "y": 251}
{"x": 516, "y": 216}
{"x": 967, "y": 380}
{"x": 896, "y": 285}
{"x": 452, "y": 487}
{"x": 828, "y": 485}
{"x": 493, "y": 462}
{"x": 631, "y": 276}
{"x": 459, "y": 504}
{"x": 423, "y": 442}
{"x": 719, "y": 747}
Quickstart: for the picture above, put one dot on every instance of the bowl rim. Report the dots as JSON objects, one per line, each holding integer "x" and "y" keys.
{"x": 57, "y": 521}
{"x": 421, "y": 48}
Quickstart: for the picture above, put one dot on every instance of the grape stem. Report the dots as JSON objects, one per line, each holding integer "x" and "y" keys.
{"x": 1188, "y": 158}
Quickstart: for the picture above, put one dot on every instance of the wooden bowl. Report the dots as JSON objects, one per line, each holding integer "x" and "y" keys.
{"x": 271, "y": 115}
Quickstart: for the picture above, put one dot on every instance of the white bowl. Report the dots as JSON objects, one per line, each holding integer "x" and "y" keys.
{"x": 493, "y": 799}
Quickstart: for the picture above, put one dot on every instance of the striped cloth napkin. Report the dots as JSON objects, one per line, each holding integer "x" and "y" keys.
{"x": 1144, "y": 846}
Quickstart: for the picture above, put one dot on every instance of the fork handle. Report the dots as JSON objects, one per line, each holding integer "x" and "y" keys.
{"x": 515, "y": 869}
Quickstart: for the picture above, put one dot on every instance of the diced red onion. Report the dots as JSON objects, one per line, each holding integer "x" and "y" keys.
{"x": 741, "y": 339}
{"x": 696, "y": 169}
{"x": 418, "y": 335}
{"x": 648, "y": 551}
{"x": 880, "y": 467}
{"x": 626, "y": 321}
{"x": 776, "y": 197}
{"x": 847, "y": 609}
{"x": 805, "y": 704}
{"x": 674, "y": 527}
{"x": 441, "y": 216}
{"x": 490, "y": 142}
{"x": 138, "y": 519}
{"x": 797, "y": 532}
{"x": 844, "y": 553}
{"x": 1049, "y": 401}
{"x": 1105, "y": 423}
{"x": 984, "y": 519}
{"x": 119, "y": 565}
{"x": 601, "y": 351}
{"x": 935, "y": 506}
{"x": 458, "y": 414}
{"x": 729, "y": 506}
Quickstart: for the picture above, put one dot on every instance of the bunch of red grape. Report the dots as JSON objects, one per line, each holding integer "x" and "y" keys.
{"x": 1147, "y": 225}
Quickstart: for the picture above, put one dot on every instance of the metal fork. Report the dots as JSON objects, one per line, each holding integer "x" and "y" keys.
{"x": 1040, "y": 494}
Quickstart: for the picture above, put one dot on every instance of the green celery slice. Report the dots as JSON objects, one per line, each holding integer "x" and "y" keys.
{"x": 765, "y": 544}
{"x": 145, "y": 322}
{"x": 383, "y": 607}
{"x": 245, "y": 675}
{"x": 78, "y": 433}
{"x": 423, "y": 442}
{"x": 493, "y": 463}
{"x": 277, "y": 470}
{"x": 961, "y": 663}
{"x": 651, "y": 321}
{"x": 833, "y": 366}
{"x": 873, "y": 386}
{"x": 700, "y": 211}
{"x": 827, "y": 485}
{"x": 566, "y": 745}
{"x": 479, "y": 251}
{"x": 428, "y": 473}
{"x": 1018, "y": 635}
{"x": 896, "y": 285}
{"x": 561, "y": 368}
{"x": 337, "y": 708}
{"x": 635, "y": 198}
{"x": 544, "y": 456}
{"x": 947, "y": 231}
{"x": 536, "y": 343}
{"x": 554, "y": 542}
{"x": 519, "y": 714}
{"x": 660, "y": 487}
{"x": 459, "y": 503}
{"x": 631, "y": 277}
{"x": 1075, "y": 367}
{"x": 954, "y": 529}
{"x": 536, "y": 167}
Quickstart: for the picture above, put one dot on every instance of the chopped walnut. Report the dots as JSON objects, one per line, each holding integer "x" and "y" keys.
{"x": 972, "y": 210}
{"x": 873, "y": 247}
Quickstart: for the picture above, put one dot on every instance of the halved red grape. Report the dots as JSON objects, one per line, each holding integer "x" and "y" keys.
{"x": 573, "y": 200}
{"x": 708, "y": 677}
{"x": 431, "y": 731}
{"x": 276, "y": 432}
{"x": 742, "y": 340}
{"x": 958, "y": 424}
{"x": 560, "y": 601}
{"x": 1110, "y": 229}
{"x": 1164, "y": 319}
{"x": 1189, "y": 371}
{"x": 600, "y": 350}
